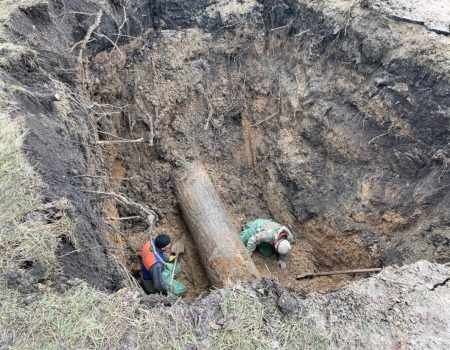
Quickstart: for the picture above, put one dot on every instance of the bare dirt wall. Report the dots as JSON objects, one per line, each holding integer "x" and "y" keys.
{"x": 330, "y": 118}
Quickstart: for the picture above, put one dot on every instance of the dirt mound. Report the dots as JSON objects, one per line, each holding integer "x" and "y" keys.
{"x": 398, "y": 308}
{"x": 394, "y": 309}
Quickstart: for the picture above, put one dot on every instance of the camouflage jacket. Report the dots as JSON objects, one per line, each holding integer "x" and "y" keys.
{"x": 267, "y": 233}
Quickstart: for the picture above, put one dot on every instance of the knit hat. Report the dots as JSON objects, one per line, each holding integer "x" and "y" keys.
{"x": 283, "y": 247}
{"x": 162, "y": 241}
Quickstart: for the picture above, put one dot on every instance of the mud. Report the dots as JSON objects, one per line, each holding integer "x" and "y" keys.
{"x": 329, "y": 118}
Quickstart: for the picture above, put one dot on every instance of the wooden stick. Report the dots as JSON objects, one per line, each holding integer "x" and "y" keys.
{"x": 328, "y": 273}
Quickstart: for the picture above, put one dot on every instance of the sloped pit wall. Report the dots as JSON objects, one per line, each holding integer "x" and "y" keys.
{"x": 61, "y": 140}
{"x": 330, "y": 118}
{"x": 363, "y": 145}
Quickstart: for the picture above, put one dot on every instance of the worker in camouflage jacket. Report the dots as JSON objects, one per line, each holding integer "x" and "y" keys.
{"x": 268, "y": 237}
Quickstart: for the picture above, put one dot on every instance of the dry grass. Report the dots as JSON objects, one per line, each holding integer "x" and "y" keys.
{"x": 36, "y": 241}
{"x": 17, "y": 179}
{"x": 244, "y": 328}
{"x": 8, "y": 6}
{"x": 30, "y": 241}
{"x": 252, "y": 325}
{"x": 24, "y": 240}
{"x": 84, "y": 318}
{"x": 10, "y": 53}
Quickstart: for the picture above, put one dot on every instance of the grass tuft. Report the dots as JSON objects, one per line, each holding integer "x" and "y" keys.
{"x": 10, "y": 53}
{"x": 253, "y": 325}
{"x": 31, "y": 241}
{"x": 244, "y": 328}
{"x": 17, "y": 178}
{"x": 8, "y": 6}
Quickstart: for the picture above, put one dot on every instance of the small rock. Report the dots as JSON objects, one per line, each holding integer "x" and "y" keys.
{"x": 62, "y": 287}
{"x": 287, "y": 303}
{"x": 214, "y": 325}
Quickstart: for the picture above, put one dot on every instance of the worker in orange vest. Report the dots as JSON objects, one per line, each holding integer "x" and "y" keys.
{"x": 157, "y": 268}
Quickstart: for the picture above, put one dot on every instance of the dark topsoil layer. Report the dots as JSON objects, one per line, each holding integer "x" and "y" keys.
{"x": 327, "y": 124}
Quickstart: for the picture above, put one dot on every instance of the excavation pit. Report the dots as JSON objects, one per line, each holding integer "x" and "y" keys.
{"x": 301, "y": 113}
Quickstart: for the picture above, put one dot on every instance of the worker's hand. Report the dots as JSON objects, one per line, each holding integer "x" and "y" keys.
{"x": 282, "y": 264}
{"x": 172, "y": 258}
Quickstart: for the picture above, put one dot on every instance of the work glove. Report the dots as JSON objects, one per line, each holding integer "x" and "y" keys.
{"x": 282, "y": 264}
{"x": 172, "y": 258}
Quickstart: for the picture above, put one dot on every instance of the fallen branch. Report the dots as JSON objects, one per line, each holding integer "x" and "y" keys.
{"x": 120, "y": 141}
{"x": 88, "y": 35}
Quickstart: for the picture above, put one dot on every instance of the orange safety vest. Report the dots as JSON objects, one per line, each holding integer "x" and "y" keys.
{"x": 148, "y": 257}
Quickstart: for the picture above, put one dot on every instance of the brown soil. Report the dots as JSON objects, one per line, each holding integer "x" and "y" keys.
{"x": 238, "y": 113}
{"x": 328, "y": 117}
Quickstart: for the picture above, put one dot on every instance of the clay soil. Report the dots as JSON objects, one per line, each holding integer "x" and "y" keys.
{"x": 326, "y": 117}
{"x": 173, "y": 96}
